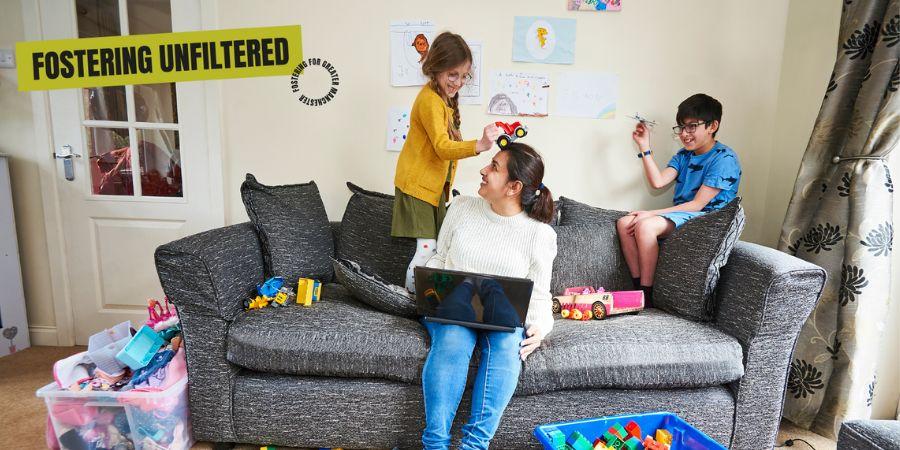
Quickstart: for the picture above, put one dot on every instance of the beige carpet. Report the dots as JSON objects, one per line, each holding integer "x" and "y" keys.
{"x": 23, "y": 416}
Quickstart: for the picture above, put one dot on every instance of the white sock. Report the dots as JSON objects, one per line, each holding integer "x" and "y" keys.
{"x": 425, "y": 249}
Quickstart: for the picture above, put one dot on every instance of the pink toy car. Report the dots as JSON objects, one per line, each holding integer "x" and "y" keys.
{"x": 586, "y": 303}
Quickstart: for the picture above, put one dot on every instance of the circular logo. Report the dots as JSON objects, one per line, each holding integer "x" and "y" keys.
{"x": 318, "y": 98}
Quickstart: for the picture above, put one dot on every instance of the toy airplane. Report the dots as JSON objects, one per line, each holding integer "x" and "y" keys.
{"x": 642, "y": 120}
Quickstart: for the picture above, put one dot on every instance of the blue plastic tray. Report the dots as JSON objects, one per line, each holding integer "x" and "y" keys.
{"x": 684, "y": 436}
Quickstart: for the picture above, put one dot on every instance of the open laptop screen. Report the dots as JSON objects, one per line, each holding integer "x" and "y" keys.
{"x": 470, "y": 299}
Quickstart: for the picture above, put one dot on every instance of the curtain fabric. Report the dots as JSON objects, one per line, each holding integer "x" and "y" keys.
{"x": 840, "y": 217}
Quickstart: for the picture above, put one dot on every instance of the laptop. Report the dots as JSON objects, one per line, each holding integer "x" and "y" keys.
{"x": 487, "y": 302}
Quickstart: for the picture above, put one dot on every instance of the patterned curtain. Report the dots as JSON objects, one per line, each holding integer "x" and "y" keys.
{"x": 840, "y": 217}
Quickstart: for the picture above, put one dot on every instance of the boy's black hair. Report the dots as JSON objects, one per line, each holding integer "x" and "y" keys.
{"x": 700, "y": 107}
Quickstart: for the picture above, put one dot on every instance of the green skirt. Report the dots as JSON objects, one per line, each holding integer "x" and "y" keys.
{"x": 415, "y": 218}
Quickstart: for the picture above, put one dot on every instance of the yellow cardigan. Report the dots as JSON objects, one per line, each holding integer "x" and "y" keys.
{"x": 429, "y": 152}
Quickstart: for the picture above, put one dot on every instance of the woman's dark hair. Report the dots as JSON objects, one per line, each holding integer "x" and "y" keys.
{"x": 700, "y": 107}
{"x": 525, "y": 164}
{"x": 447, "y": 51}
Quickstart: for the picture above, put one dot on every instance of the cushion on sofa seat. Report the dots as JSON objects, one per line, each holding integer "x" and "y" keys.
{"x": 293, "y": 228}
{"x": 869, "y": 435}
{"x": 337, "y": 336}
{"x": 366, "y": 236}
{"x": 649, "y": 350}
{"x": 370, "y": 289}
{"x": 589, "y": 254}
{"x": 342, "y": 337}
{"x": 572, "y": 212}
{"x": 690, "y": 260}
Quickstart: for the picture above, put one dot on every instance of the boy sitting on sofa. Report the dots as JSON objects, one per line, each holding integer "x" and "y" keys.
{"x": 706, "y": 175}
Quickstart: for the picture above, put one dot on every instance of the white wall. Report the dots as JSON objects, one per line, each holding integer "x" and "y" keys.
{"x": 17, "y": 140}
{"x": 662, "y": 51}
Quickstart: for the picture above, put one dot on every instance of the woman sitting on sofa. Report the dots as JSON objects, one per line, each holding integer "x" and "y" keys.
{"x": 502, "y": 232}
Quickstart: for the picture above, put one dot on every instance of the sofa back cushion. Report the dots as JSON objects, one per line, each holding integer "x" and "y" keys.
{"x": 690, "y": 259}
{"x": 293, "y": 229}
{"x": 588, "y": 249}
{"x": 366, "y": 236}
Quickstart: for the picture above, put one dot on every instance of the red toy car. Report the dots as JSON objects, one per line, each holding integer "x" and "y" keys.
{"x": 511, "y": 132}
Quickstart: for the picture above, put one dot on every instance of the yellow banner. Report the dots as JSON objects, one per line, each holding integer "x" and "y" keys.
{"x": 158, "y": 58}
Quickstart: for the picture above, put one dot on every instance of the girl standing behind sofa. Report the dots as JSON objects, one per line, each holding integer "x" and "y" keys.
{"x": 427, "y": 164}
{"x": 503, "y": 232}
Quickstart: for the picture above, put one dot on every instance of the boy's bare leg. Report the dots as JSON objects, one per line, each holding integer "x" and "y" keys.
{"x": 629, "y": 245}
{"x": 646, "y": 233}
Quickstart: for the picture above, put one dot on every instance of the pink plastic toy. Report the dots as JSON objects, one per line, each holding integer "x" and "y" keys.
{"x": 586, "y": 303}
{"x": 162, "y": 317}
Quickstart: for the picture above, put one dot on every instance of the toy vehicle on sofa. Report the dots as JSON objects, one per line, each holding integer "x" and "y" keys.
{"x": 586, "y": 303}
{"x": 510, "y": 132}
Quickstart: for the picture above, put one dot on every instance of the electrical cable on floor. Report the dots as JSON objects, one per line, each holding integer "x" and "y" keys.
{"x": 790, "y": 443}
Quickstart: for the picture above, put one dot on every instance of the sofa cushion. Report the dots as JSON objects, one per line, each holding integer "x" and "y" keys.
{"x": 366, "y": 236}
{"x": 690, "y": 259}
{"x": 649, "y": 350}
{"x": 293, "y": 228}
{"x": 341, "y": 337}
{"x": 572, "y": 212}
{"x": 869, "y": 435}
{"x": 589, "y": 254}
{"x": 373, "y": 291}
{"x": 337, "y": 336}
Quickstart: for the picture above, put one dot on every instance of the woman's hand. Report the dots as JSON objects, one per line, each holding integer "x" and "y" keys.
{"x": 491, "y": 133}
{"x": 638, "y": 216}
{"x": 532, "y": 342}
{"x": 641, "y": 136}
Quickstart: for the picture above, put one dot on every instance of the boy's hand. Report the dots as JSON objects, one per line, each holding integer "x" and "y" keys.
{"x": 641, "y": 136}
{"x": 491, "y": 133}
{"x": 638, "y": 216}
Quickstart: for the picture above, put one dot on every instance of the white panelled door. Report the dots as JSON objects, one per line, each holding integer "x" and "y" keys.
{"x": 132, "y": 162}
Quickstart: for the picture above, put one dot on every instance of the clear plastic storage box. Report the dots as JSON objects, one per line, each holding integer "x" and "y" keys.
{"x": 120, "y": 420}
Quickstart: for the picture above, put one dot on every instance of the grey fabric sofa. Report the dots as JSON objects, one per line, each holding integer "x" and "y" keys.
{"x": 869, "y": 435}
{"x": 341, "y": 374}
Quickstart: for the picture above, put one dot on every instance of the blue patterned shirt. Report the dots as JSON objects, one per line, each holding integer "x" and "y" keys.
{"x": 718, "y": 168}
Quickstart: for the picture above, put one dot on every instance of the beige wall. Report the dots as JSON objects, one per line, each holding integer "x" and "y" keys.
{"x": 662, "y": 52}
{"x": 768, "y": 64}
{"x": 17, "y": 140}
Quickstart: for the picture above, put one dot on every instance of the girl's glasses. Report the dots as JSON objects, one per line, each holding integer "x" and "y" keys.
{"x": 455, "y": 78}
{"x": 689, "y": 127}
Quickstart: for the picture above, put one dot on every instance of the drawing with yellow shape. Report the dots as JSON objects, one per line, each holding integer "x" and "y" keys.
{"x": 542, "y": 36}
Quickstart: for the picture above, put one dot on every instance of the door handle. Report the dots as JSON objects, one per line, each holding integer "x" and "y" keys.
{"x": 66, "y": 154}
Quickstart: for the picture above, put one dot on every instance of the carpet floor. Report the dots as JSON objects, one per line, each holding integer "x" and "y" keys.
{"x": 24, "y": 416}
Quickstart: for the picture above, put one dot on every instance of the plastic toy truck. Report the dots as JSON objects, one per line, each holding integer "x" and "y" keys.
{"x": 586, "y": 303}
{"x": 510, "y": 132}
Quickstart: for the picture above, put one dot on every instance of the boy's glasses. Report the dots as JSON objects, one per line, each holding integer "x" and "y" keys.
{"x": 689, "y": 127}
{"x": 455, "y": 78}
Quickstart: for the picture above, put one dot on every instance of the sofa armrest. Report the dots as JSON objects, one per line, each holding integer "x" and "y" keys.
{"x": 764, "y": 298}
{"x": 207, "y": 276}
{"x": 211, "y": 273}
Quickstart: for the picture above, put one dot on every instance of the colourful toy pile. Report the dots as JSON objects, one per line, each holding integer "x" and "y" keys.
{"x": 274, "y": 292}
{"x": 586, "y": 303}
{"x": 616, "y": 437}
{"x": 121, "y": 361}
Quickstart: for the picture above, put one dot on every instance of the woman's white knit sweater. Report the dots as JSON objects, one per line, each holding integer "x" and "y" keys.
{"x": 473, "y": 238}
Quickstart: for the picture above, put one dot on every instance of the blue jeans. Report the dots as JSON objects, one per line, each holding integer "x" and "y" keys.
{"x": 444, "y": 380}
